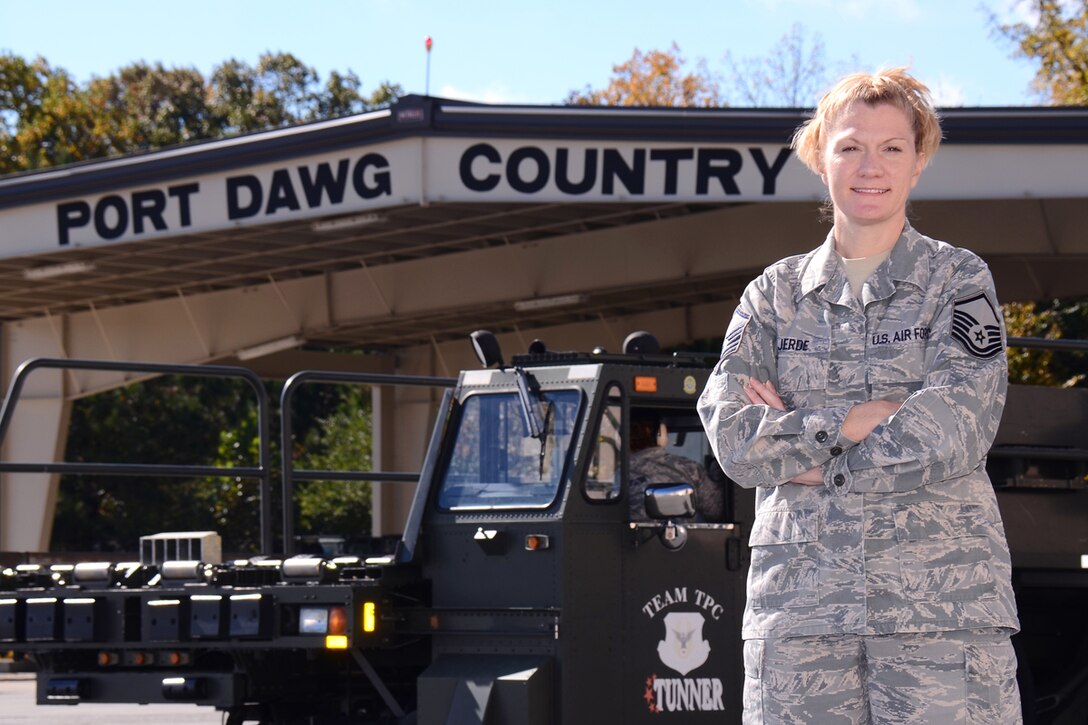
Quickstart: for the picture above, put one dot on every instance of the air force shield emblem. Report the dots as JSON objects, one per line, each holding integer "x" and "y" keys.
{"x": 683, "y": 648}
{"x": 976, "y": 327}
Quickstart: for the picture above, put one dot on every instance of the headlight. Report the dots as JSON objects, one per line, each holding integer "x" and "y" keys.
{"x": 322, "y": 620}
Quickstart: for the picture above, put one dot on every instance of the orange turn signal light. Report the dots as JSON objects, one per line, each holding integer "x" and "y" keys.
{"x": 537, "y": 542}
{"x": 338, "y": 620}
{"x": 645, "y": 384}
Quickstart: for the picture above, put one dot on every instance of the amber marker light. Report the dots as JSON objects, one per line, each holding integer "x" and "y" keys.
{"x": 370, "y": 619}
{"x": 336, "y": 641}
{"x": 338, "y": 620}
{"x": 536, "y": 542}
{"x": 645, "y": 384}
{"x": 177, "y": 658}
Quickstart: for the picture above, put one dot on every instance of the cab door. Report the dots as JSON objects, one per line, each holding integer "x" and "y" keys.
{"x": 681, "y": 626}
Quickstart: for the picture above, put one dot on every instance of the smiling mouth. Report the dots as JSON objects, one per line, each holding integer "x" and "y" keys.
{"x": 860, "y": 190}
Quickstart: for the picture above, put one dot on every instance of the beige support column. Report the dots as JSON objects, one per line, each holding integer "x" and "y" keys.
{"x": 403, "y": 420}
{"x": 37, "y": 433}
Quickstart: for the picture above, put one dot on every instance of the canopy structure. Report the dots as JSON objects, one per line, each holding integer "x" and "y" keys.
{"x": 400, "y": 231}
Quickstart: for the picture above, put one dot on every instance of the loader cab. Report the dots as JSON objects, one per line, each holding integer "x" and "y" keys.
{"x": 528, "y": 532}
{"x": 558, "y": 430}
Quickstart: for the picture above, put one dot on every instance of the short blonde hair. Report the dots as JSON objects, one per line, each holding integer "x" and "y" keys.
{"x": 896, "y": 87}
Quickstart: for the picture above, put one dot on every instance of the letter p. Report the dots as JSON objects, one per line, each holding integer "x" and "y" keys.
{"x": 70, "y": 216}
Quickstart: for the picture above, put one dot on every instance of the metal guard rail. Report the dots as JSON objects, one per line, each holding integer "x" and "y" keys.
{"x": 261, "y": 472}
{"x": 291, "y": 474}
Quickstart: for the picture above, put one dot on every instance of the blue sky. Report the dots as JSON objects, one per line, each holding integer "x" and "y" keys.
{"x": 505, "y": 51}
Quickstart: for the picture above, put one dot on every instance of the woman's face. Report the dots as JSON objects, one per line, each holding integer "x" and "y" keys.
{"x": 870, "y": 164}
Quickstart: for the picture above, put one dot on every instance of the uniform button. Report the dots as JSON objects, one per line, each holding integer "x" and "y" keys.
{"x": 836, "y": 451}
{"x": 839, "y": 479}
{"x": 821, "y": 436}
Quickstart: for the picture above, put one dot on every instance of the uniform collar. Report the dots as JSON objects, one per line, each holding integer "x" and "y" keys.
{"x": 908, "y": 262}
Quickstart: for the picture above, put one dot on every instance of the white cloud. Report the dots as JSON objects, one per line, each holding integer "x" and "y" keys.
{"x": 947, "y": 93}
{"x": 905, "y": 10}
{"x": 495, "y": 93}
{"x": 1009, "y": 12}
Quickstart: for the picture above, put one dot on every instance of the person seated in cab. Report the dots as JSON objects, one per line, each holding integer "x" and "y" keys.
{"x": 652, "y": 463}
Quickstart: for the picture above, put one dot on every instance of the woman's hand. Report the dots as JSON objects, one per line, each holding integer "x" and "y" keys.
{"x": 863, "y": 418}
{"x": 765, "y": 394}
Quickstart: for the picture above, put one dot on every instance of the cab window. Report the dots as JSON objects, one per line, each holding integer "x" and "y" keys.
{"x": 496, "y": 463}
{"x": 603, "y": 476}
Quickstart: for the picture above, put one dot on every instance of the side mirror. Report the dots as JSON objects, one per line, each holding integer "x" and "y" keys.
{"x": 487, "y": 348}
{"x": 670, "y": 500}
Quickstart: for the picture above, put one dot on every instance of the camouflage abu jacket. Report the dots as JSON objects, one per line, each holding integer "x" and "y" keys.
{"x": 905, "y": 534}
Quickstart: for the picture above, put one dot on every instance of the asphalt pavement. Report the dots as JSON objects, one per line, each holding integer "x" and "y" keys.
{"x": 18, "y": 707}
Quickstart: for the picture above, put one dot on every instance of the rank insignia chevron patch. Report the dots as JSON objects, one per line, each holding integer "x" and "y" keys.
{"x": 975, "y": 325}
{"x": 735, "y": 332}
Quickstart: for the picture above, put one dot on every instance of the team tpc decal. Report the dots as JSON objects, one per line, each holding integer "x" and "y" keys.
{"x": 683, "y": 650}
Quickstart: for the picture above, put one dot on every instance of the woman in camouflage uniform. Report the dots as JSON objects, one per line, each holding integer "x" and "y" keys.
{"x": 859, "y": 389}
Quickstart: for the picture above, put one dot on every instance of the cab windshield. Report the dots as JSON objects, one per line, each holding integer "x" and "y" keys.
{"x": 496, "y": 463}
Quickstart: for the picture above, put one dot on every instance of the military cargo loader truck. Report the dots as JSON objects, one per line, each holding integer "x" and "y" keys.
{"x": 521, "y": 590}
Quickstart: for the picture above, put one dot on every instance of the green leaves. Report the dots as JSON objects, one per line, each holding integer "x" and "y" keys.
{"x": 1058, "y": 40}
{"x": 48, "y": 119}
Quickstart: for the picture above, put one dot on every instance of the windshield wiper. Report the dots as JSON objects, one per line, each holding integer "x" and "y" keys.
{"x": 527, "y": 386}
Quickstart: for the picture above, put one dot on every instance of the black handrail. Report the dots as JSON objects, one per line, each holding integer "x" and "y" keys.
{"x": 1049, "y": 343}
{"x": 262, "y": 471}
{"x": 290, "y": 474}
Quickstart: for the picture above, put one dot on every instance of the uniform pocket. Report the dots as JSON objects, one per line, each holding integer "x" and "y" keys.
{"x": 752, "y": 697}
{"x": 944, "y": 552}
{"x": 895, "y": 371}
{"x": 785, "y": 561}
{"x": 802, "y": 378}
{"x": 992, "y": 694}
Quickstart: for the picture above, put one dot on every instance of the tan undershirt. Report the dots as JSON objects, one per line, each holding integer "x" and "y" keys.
{"x": 858, "y": 270}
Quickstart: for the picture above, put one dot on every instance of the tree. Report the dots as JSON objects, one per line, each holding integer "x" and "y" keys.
{"x": 48, "y": 119}
{"x": 44, "y": 120}
{"x": 177, "y": 420}
{"x": 1058, "y": 41}
{"x": 146, "y": 107}
{"x": 341, "y": 441}
{"x": 654, "y": 78}
{"x": 793, "y": 76}
{"x": 1053, "y": 320}
{"x": 187, "y": 420}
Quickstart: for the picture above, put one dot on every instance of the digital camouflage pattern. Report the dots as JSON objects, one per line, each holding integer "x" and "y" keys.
{"x": 966, "y": 677}
{"x": 905, "y": 534}
{"x": 657, "y": 465}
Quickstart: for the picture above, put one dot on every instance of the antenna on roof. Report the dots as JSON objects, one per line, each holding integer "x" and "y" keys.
{"x": 427, "y": 42}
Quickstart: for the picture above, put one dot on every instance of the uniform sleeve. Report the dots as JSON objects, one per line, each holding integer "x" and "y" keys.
{"x": 709, "y": 497}
{"x": 945, "y": 429}
{"x": 755, "y": 444}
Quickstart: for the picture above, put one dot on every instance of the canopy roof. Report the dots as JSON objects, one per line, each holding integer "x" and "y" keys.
{"x": 408, "y": 187}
